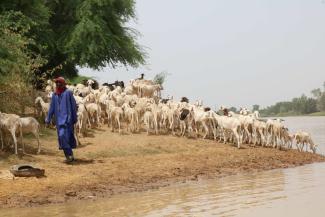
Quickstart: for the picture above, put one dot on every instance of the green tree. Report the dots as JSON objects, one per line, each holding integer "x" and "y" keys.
{"x": 298, "y": 105}
{"x": 233, "y": 109}
{"x": 17, "y": 62}
{"x": 320, "y": 97}
{"x": 316, "y": 93}
{"x": 256, "y": 107}
{"x": 311, "y": 106}
{"x": 70, "y": 33}
{"x": 160, "y": 78}
{"x": 321, "y": 102}
{"x": 16, "y": 57}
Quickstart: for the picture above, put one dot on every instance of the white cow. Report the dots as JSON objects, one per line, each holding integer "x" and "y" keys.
{"x": 303, "y": 138}
{"x": 231, "y": 124}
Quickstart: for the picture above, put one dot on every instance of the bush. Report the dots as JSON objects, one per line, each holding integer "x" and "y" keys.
{"x": 16, "y": 96}
{"x": 160, "y": 78}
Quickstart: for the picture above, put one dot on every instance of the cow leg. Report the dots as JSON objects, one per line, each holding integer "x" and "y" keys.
{"x": 214, "y": 131}
{"x": 21, "y": 138}
{"x": 297, "y": 146}
{"x": 237, "y": 137}
{"x": 75, "y": 136}
{"x": 224, "y": 137}
{"x": 171, "y": 123}
{"x": 136, "y": 118}
{"x": 112, "y": 124}
{"x": 300, "y": 147}
{"x": 148, "y": 126}
{"x": 206, "y": 129}
{"x": 249, "y": 137}
{"x": 220, "y": 134}
{"x": 89, "y": 121}
{"x": 261, "y": 137}
{"x": 119, "y": 125}
{"x": 38, "y": 142}
{"x": 183, "y": 129}
{"x": 79, "y": 126}
{"x": 1, "y": 139}
{"x": 15, "y": 140}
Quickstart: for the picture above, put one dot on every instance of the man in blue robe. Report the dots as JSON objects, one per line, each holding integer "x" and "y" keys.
{"x": 63, "y": 107}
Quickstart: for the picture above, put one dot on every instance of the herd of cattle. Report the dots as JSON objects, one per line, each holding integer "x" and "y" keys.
{"x": 138, "y": 106}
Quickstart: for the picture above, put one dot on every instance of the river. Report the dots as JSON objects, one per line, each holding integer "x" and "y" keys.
{"x": 298, "y": 192}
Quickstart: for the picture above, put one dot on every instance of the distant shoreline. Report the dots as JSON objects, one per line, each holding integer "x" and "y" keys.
{"x": 315, "y": 114}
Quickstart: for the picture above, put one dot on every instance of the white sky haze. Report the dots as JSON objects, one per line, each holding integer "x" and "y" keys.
{"x": 230, "y": 52}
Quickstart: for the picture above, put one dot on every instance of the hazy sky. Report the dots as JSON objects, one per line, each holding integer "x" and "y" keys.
{"x": 230, "y": 52}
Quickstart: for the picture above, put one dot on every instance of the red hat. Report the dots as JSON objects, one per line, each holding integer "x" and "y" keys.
{"x": 59, "y": 80}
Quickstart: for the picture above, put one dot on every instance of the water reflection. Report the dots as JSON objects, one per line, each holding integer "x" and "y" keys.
{"x": 222, "y": 197}
{"x": 289, "y": 192}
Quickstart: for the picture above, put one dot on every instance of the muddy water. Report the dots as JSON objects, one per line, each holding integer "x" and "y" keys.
{"x": 285, "y": 192}
{"x": 290, "y": 192}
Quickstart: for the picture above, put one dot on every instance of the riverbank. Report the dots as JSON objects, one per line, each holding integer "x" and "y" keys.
{"x": 110, "y": 164}
{"x": 290, "y": 114}
{"x": 317, "y": 114}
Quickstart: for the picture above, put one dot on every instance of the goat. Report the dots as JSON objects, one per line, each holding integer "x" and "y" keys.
{"x": 44, "y": 106}
{"x": 31, "y": 125}
{"x": 11, "y": 123}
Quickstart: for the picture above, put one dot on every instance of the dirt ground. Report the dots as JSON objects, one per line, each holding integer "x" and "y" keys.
{"x": 109, "y": 163}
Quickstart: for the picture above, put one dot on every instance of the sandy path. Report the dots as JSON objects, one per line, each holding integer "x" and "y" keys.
{"x": 109, "y": 163}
